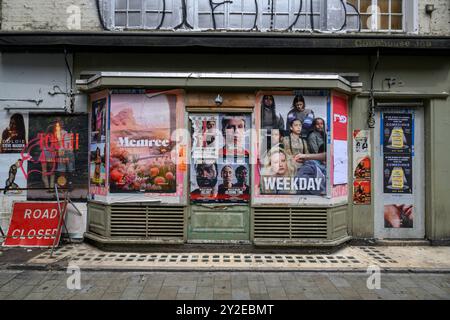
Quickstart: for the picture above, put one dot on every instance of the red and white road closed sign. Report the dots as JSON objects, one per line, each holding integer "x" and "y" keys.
{"x": 33, "y": 224}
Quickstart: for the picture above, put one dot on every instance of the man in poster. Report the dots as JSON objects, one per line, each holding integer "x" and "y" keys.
{"x": 206, "y": 177}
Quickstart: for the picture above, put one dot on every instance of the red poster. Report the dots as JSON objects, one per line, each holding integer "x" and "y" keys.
{"x": 340, "y": 118}
{"x": 33, "y": 224}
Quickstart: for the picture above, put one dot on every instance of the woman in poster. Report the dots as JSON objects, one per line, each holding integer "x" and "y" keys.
{"x": 271, "y": 119}
{"x": 294, "y": 144}
{"x": 97, "y": 169}
{"x": 276, "y": 163}
{"x": 299, "y": 111}
{"x": 13, "y": 137}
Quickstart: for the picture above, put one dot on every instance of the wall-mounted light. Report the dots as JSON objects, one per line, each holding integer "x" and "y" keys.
{"x": 429, "y": 8}
{"x": 218, "y": 100}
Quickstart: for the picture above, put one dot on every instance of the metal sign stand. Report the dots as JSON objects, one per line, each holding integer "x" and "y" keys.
{"x": 62, "y": 215}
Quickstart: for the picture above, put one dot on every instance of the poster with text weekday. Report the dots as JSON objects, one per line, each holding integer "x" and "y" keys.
{"x": 34, "y": 224}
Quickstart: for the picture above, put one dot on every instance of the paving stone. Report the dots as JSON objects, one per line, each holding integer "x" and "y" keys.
{"x": 272, "y": 280}
{"x": 292, "y": 287}
{"x": 20, "y": 293}
{"x": 222, "y": 277}
{"x": 131, "y": 292}
{"x": 111, "y": 295}
{"x": 339, "y": 282}
{"x": 257, "y": 287}
{"x": 60, "y": 293}
{"x": 168, "y": 293}
{"x": 349, "y": 293}
{"x": 300, "y": 296}
{"x": 259, "y": 296}
{"x": 36, "y": 296}
{"x": 205, "y": 282}
{"x": 222, "y": 287}
{"x": 277, "y": 293}
{"x": 47, "y": 286}
{"x": 222, "y": 296}
{"x": 240, "y": 294}
{"x": 204, "y": 293}
{"x": 184, "y": 289}
{"x": 118, "y": 285}
{"x": 94, "y": 293}
{"x": 12, "y": 285}
{"x": 148, "y": 295}
{"x": 185, "y": 296}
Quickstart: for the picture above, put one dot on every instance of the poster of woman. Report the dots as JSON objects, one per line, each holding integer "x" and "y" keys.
{"x": 292, "y": 157}
{"x": 13, "y": 130}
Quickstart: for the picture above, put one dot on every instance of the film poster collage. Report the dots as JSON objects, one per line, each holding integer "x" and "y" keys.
{"x": 39, "y": 151}
{"x": 292, "y": 155}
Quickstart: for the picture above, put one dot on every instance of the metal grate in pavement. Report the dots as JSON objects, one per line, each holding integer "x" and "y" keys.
{"x": 377, "y": 255}
{"x": 216, "y": 258}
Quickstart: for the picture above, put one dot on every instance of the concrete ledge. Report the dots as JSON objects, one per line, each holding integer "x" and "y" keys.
{"x": 303, "y": 243}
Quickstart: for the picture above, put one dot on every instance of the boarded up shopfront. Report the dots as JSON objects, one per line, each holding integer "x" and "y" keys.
{"x": 227, "y": 164}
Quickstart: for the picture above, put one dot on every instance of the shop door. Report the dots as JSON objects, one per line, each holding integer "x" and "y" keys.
{"x": 219, "y": 193}
{"x": 399, "y": 174}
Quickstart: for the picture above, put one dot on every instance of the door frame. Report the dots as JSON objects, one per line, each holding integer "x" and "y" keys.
{"x": 418, "y": 175}
{"x": 231, "y": 208}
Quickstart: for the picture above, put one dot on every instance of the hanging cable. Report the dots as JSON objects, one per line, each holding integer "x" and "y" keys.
{"x": 70, "y": 93}
{"x": 371, "y": 117}
{"x": 272, "y": 14}
{"x": 311, "y": 14}
{"x": 298, "y": 16}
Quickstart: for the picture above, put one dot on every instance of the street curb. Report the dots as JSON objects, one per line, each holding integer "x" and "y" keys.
{"x": 41, "y": 267}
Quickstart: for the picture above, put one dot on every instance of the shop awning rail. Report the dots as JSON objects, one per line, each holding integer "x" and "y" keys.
{"x": 214, "y": 80}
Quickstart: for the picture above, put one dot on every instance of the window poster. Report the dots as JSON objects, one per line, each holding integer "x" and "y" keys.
{"x": 57, "y": 154}
{"x": 97, "y": 152}
{"x": 220, "y": 158}
{"x": 142, "y": 154}
{"x": 293, "y": 143}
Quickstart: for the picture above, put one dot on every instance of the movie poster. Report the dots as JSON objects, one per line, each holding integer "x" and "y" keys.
{"x": 97, "y": 154}
{"x": 57, "y": 154}
{"x": 14, "y": 134}
{"x": 362, "y": 194}
{"x": 398, "y": 216}
{"x": 220, "y": 158}
{"x": 362, "y": 167}
{"x": 293, "y": 147}
{"x": 12, "y": 173}
{"x": 141, "y": 157}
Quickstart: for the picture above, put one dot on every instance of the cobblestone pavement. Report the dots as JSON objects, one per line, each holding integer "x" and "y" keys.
{"x": 52, "y": 285}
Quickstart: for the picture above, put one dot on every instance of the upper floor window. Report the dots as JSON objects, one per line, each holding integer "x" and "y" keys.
{"x": 380, "y": 15}
{"x": 260, "y": 15}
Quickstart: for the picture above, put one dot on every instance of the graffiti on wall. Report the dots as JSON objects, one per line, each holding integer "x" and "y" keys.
{"x": 249, "y": 15}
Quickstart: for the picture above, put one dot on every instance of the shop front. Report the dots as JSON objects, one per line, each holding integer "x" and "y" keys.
{"x": 256, "y": 159}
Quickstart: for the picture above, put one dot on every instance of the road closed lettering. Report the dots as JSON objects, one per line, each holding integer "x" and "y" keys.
{"x": 33, "y": 224}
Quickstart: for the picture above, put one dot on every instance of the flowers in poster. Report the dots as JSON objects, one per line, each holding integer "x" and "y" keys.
{"x": 141, "y": 152}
